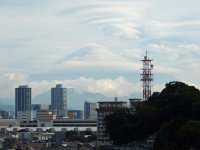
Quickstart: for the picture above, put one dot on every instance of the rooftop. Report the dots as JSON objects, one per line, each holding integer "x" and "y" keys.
{"x": 23, "y": 86}
{"x": 112, "y": 102}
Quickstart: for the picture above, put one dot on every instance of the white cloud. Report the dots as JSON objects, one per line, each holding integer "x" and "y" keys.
{"x": 93, "y": 56}
{"x": 9, "y": 82}
{"x": 132, "y": 53}
{"x": 178, "y": 59}
{"x": 185, "y": 29}
{"x": 175, "y": 53}
{"x": 116, "y": 18}
{"x": 107, "y": 87}
{"x": 43, "y": 38}
{"x": 95, "y": 52}
{"x": 98, "y": 58}
{"x": 157, "y": 87}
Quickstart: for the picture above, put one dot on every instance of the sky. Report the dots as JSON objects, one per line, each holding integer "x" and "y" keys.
{"x": 97, "y": 45}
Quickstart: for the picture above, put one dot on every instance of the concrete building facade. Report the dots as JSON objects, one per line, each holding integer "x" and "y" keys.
{"x": 25, "y": 116}
{"x": 45, "y": 118}
{"x": 23, "y": 103}
{"x": 90, "y": 110}
{"x": 59, "y": 100}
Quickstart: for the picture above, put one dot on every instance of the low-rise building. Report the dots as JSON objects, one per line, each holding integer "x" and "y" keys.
{"x": 25, "y": 116}
{"x": 4, "y": 114}
{"x": 45, "y": 118}
{"x": 28, "y": 124}
{"x": 72, "y": 115}
{"x": 74, "y": 123}
{"x": 6, "y": 123}
{"x": 79, "y": 113}
{"x": 38, "y": 107}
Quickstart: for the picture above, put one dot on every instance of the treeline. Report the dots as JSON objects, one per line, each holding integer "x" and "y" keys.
{"x": 173, "y": 116}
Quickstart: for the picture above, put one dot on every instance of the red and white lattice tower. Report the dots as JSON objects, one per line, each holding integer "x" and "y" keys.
{"x": 146, "y": 77}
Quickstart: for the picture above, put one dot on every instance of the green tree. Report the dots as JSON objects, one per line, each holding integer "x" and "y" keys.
{"x": 166, "y": 137}
{"x": 117, "y": 126}
{"x": 188, "y": 136}
{"x": 172, "y": 114}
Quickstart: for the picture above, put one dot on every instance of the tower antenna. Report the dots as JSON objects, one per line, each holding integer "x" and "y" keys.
{"x": 146, "y": 77}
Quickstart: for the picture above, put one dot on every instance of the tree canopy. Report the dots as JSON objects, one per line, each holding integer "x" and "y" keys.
{"x": 173, "y": 115}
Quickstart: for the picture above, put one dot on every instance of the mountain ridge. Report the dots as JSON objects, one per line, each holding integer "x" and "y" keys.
{"x": 75, "y": 99}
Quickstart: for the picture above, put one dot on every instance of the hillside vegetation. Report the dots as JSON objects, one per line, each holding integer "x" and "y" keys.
{"x": 173, "y": 115}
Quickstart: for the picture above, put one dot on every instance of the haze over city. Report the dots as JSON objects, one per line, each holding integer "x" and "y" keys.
{"x": 96, "y": 46}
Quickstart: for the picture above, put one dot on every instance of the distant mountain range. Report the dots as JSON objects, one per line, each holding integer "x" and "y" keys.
{"x": 7, "y": 105}
{"x": 75, "y": 100}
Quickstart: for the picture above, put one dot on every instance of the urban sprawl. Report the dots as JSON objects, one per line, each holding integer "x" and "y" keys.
{"x": 40, "y": 126}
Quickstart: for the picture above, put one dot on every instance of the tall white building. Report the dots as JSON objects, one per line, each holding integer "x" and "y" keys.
{"x": 59, "y": 100}
{"x": 23, "y": 103}
{"x": 90, "y": 110}
{"x": 106, "y": 108}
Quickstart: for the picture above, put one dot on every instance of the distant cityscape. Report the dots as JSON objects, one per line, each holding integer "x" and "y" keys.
{"x": 33, "y": 118}
{"x": 99, "y": 75}
{"x": 51, "y": 121}
{"x": 25, "y": 111}
{"x": 49, "y": 125}
{"x": 30, "y": 118}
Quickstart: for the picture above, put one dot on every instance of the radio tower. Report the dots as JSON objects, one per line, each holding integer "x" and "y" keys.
{"x": 146, "y": 77}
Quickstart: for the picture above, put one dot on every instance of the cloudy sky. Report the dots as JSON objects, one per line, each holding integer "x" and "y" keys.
{"x": 97, "y": 45}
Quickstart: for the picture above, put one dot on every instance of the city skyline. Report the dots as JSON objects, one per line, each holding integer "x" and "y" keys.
{"x": 97, "y": 46}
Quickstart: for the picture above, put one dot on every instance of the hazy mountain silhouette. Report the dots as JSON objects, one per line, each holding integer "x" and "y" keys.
{"x": 7, "y": 107}
{"x": 75, "y": 100}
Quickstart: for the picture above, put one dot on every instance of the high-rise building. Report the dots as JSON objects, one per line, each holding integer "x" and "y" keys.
{"x": 90, "y": 110}
{"x": 106, "y": 108}
{"x": 59, "y": 100}
{"x": 23, "y": 103}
